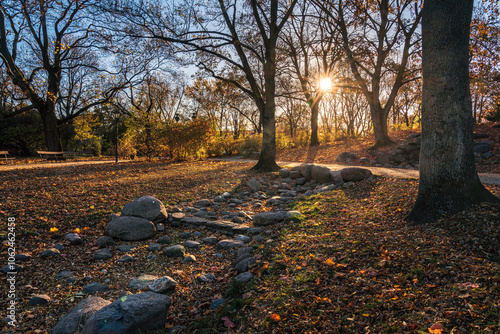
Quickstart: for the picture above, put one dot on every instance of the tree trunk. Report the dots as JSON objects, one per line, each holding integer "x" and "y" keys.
{"x": 314, "y": 122}
{"x": 448, "y": 178}
{"x": 380, "y": 129}
{"x": 51, "y": 130}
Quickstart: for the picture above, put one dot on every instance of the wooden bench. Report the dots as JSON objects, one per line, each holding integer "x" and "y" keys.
{"x": 4, "y": 156}
{"x": 49, "y": 155}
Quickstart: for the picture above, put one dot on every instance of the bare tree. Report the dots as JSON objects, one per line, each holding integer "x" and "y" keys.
{"x": 449, "y": 182}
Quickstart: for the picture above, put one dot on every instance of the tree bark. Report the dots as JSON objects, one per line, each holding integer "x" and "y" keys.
{"x": 380, "y": 128}
{"x": 449, "y": 182}
{"x": 314, "y": 122}
{"x": 50, "y": 129}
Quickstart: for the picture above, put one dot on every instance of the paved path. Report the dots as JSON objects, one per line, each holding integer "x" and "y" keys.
{"x": 488, "y": 178}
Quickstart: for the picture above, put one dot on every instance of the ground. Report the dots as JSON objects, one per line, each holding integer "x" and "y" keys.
{"x": 349, "y": 265}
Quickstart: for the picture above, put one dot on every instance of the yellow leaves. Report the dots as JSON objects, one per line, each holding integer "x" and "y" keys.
{"x": 329, "y": 262}
{"x": 54, "y": 229}
{"x": 275, "y": 317}
{"x": 436, "y": 329}
{"x": 77, "y": 230}
{"x": 91, "y": 206}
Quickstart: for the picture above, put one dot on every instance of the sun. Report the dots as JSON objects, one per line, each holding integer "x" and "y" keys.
{"x": 325, "y": 84}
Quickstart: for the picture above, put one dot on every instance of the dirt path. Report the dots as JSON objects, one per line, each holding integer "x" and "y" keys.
{"x": 488, "y": 178}
{"x": 55, "y": 164}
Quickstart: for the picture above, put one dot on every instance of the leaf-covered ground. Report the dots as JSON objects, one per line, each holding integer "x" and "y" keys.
{"x": 349, "y": 265}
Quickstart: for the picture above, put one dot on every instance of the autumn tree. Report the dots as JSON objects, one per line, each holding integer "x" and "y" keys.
{"x": 314, "y": 51}
{"x": 49, "y": 50}
{"x": 231, "y": 35}
{"x": 449, "y": 182}
{"x": 378, "y": 38}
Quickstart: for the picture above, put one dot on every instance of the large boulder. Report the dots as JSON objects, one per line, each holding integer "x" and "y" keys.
{"x": 131, "y": 314}
{"x": 146, "y": 207}
{"x": 321, "y": 174}
{"x": 345, "y": 157}
{"x": 75, "y": 320}
{"x": 304, "y": 170}
{"x": 130, "y": 228}
{"x": 267, "y": 218}
{"x": 354, "y": 174}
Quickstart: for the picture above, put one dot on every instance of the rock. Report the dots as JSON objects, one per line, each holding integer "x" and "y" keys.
{"x": 164, "y": 240}
{"x": 245, "y": 239}
{"x": 346, "y": 157}
{"x": 174, "y": 251}
{"x": 244, "y": 277}
{"x": 126, "y": 258}
{"x": 267, "y": 218}
{"x": 237, "y": 220}
{"x": 12, "y": 268}
{"x": 163, "y": 284}
{"x": 154, "y": 247}
{"x": 364, "y": 160}
{"x": 354, "y": 174}
{"x": 293, "y": 215}
{"x": 103, "y": 254}
{"x": 242, "y": 266}
{"x": 189, "y": 259}
{"x": 130, "y": 228}
{"x": 51, "y": 252}
{"x": 337, "y": 178}
{"x": 205, "y": 278}
{"x": 94, "y": 288}
{"x": 160, "y": 227}
{"x": 126, "y": 248}
{"x": 483, "y": 147}
{"x": 244, "y": 250}
{"x": 321, "y": 174}
{"x": 141, "y": 282}
{"x": 21, "y": 257}
{"x": 254, "y": 230}
{"x": 75, "y": 319}
{"x": 59, "y": 247}
{"x": 236, "y": 201}
{"x": 217, "y": 303}
{"x": 254, "y": 184}
{"x": 105, "y": 241}
{"x": 39, "y": 300}
{"x": 132, "y": 314}
{"x": 65, "y": 274}
{"x": 202, "y": 203}
{"x": 191, "y": 244}
{"x": 284, "y": 173}
{"x": 228, "y": 244}
{"x": 210, "y": 240}
{"x": 185, "y": 235}
{"x": 146, "y": 207}
{"x": 73, "y": 238}
{"x": 301, "y": 181}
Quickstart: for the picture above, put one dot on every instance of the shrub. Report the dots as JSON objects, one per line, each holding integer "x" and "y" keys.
{"x": 251, "y": 146}
{"x": 223, "y": 146}
{"x": 190, "y": 139}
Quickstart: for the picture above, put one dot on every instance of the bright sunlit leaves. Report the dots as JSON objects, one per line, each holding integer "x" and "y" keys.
{"x": 275, "y": 317}
{"x": 54, "y": 229}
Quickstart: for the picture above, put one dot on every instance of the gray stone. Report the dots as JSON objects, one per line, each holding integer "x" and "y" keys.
{"x": 337, "y": 178}
{"x": 131, "y": 314}
{"x": 164, "y": 240}
{"x": 301, "y": 181}
{"x": 293, "y": 215}
{"x": 202, "y": 203}
{"x": 205, "y": 278}
{"x": 126, "y": 258}
{"x": 130, "y": 228}
{"x": 217, "y": 303}
{"x": 254, "y": 230}
{"x": 185, "y": 235}
{"x": 254, "y": 184}
{"x": 243, "y": 265}
{"x": 346, "y": 157}
{"x": 267, "y": 218}
{"x": 141, "y": 282}
{"x": 151, "y": 257}
{"x": 483, "y": 147}
{"x": 244, "y": 250}
{"x": 210, "y": 240}
{"x": 244, "y": 277}
{"x": 197, "y": 234}
{"x": 201, "y": 214}
{"x": 235, "y": 201}
{"x": 21, "y": 257}
{"x": 65, "y": 274}
{"x": 12, "y": 268}
{"x": 39, "y": 300}
{"x": 163, "y": 285}
{"x": 189, "y": 259}
{"x": 94, "y": 288}
{"x": 154, "y": 247}
{"x": 51, "y": 252}
{"x": 237, "y": 220}
{"x": 228, "y": 244}
{"x": 160, "y": 227}
{"x": 73, "y": 238}
{"x": 75, "y": 319}
{"x": 126, "y": 248}
{"x": 321, "y": 174}
{"x": 305, "y": 170}
{"x": 59, "y": 247}
{"x": 146, "y": 207}
{"x": 191, "y": 244}
{"x": 105, "y": 241}
{"x": 174, "y": 251}
{"x": 244, "y": 238}
{"x": 354, "y": 174}
{"x": 103, "y": 254}
{"x": 364, "y": 160}
{"x": 284, "y": 173}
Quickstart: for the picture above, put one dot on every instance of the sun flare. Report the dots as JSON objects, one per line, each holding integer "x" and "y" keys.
{"x": 325, "y": 84}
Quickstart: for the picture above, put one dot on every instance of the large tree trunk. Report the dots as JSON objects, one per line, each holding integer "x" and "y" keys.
{"x": 448, "y": 178}
{"x": 51, "y": 130}
{"x": 314, "y": 122}
{"x": 380, "y": 129}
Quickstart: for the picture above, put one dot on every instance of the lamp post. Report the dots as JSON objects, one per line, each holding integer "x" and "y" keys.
{"x": 116, "y": 115}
